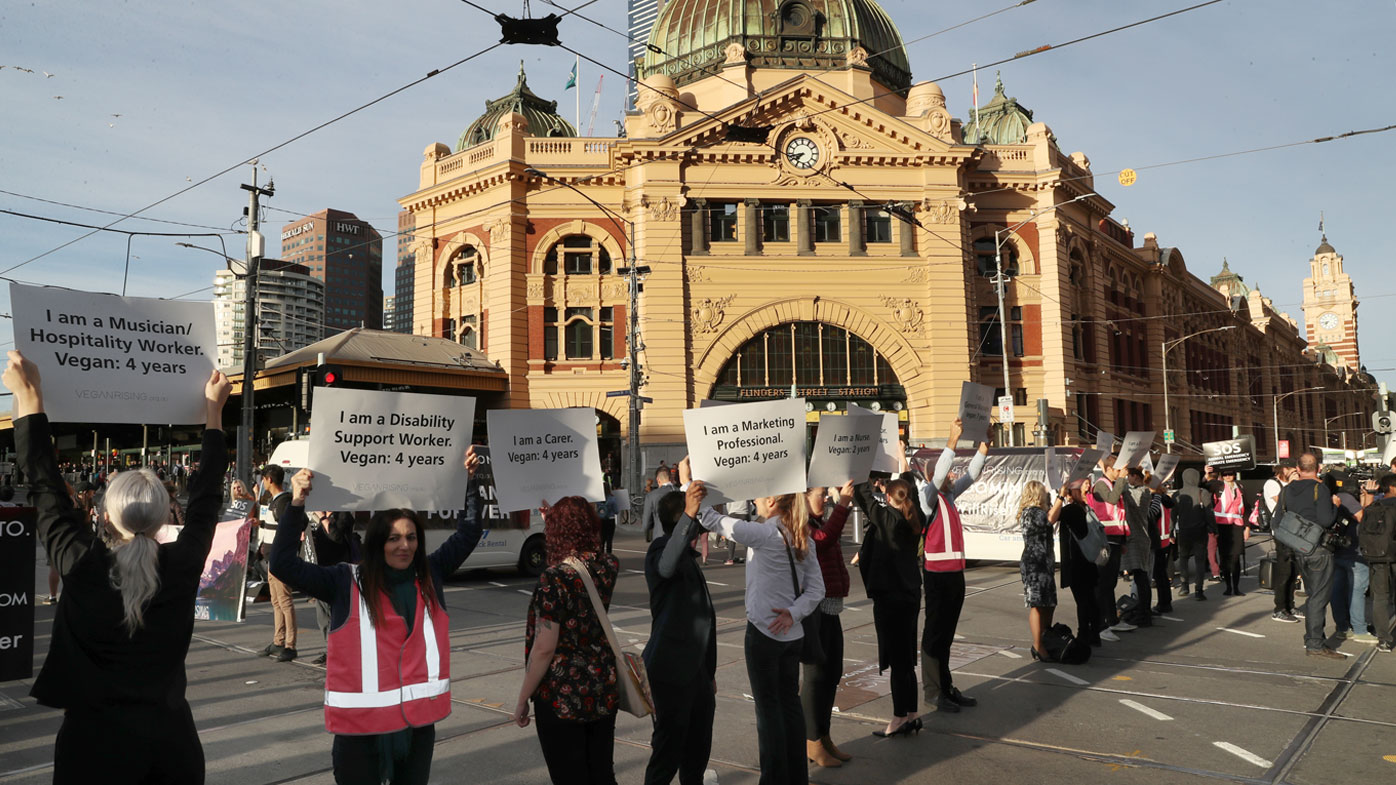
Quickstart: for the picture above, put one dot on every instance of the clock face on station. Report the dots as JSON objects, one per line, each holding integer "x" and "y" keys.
{"x": 1328, "y": 321}
{"x": 802, "y": 152}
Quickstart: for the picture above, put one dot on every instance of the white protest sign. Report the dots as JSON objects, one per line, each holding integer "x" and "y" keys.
{"x": 1146, "y": 464}
{"x": 1167, "y": 464}
{"x": 542, "y": 455}
{"x": 843, "y": 450}
{"x": 748, "y": 450}
{"x": 976, "y": 401}
{"x": 1085, "y": 465}
{"x": 1134, "y": 448}
{"x": 111, "y": 359}
{"x": 374, "y": 450}
{"x": 1053, "y": 469}
{"x": 888, "y": 456}
{"x": 1104, "y": 441}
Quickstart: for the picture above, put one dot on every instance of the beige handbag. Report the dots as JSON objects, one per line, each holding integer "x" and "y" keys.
{"x": 634, "y": 682}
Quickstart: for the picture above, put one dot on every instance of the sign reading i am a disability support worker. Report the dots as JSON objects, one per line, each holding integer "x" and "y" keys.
{"x": 374, "y": 450}
{"x": 749, "y": 450}
{"x": 542, "y": 455}
{"x": 111, "y": 359}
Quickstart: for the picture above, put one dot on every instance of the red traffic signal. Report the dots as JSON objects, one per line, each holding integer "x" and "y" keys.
{"x": 329, "y": 376}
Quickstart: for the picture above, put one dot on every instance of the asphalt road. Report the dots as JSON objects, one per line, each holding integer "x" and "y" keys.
{"x": 1216, "y": 692}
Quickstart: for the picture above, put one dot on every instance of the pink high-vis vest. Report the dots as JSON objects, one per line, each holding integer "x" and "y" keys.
{"x": 1165, "y": 522}
{"x": 1112, "y": 516}
{"x": 383, "y": 680}
{"x": 1228, "y": 507}
{"x": 945, "y": 539}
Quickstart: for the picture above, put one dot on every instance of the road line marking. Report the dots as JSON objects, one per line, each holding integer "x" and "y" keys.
{"x": 851, "y": 608}
{"x": 1244, "y": 755}
{"x": 1067, "y": 676}
{"x": 1171, "y": 618}
{"x": 959, "y": 637}
{"x": 497, "y": 583}
{"x": 715, "y": 583}
{"x": 1010, "y": 655}
{"x": 1139, "y": 707}
{"x": 636, "y": 572}
{"x": 1387, "y": 758}
{"x": 524, "y": 591}
{"x": 1242, "y": 632}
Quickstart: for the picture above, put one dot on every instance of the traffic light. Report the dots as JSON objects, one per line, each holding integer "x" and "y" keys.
{"x": 1382, "y": 422}
{"x": 307, "y": 379}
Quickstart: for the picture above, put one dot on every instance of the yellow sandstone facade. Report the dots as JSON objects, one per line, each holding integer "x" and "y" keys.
{"x": 849, "y": 254}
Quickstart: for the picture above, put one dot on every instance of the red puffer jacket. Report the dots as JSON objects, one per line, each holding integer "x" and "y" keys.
{"x": 826, "y": 546}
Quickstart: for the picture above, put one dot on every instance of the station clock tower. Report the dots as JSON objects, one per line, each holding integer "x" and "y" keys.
{"x": 1330, "y": 306}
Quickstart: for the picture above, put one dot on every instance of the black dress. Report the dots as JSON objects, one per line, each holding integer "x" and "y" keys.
{"x": 1038, "y": 563}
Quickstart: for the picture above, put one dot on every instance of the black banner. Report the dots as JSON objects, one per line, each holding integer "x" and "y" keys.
{"x": 1230, "y": 454}
{"x": 16, "y": 593}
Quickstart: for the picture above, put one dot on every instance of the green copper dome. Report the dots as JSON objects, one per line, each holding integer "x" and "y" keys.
{"x": 808, "y": 35}
{"x": 1001, "y": 121}
{"x": 542, "y": 116}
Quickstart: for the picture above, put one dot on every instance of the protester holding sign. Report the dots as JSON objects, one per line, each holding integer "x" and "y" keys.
{"x": 944, "y": 571}
{"x": 116, "y": 658}
{"x": 784, "y": 585}
{"x": 821, "y": 678}
{"x": 1232, "y": 532}
{"x": 890, "y": 565}
{"x": 388, "y": 669}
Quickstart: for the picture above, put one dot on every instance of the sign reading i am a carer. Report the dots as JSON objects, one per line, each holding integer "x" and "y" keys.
{"x": 542, "y": 455}
{"x": 16, "y": 593}
{"x": 373, "y": 450}
{"x": 749, "y": 450}
{"x": 111, "y": 359}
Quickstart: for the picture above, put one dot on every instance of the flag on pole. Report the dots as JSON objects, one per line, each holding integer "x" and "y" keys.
{"x": 571, "y": 80}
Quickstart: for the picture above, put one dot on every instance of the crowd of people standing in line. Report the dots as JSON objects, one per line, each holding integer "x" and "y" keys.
{"x": 115, "y": 663}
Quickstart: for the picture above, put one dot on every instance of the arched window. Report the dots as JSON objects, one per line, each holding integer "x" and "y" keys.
{"x": 577, "y": 254}
{"x": 806, "y": 353}
{"x": 984, "y": 257}
{"x": 583, "y": 335}
{"x": 463, "y": 267}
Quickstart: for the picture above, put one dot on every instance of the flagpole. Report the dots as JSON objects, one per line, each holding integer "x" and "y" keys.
{"x": 577, "y": 94}
{"x": 977, "y": 130}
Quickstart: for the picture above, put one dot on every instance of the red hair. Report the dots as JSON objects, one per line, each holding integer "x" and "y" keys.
{"x": 571, "y": 528}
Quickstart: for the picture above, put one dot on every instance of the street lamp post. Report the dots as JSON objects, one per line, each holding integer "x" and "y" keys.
{"x": 1344, "y": 431}
{"x": 1168, "y": 346}
{"x": 633, "y": 274}
{"x": 1275, "y": 412}
{"x": 1000, "y": 279}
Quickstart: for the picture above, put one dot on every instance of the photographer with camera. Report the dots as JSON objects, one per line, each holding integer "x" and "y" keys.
{"x": 1377, "y": 540}
{"x": 1311, "y": 500}
{"x": 1350, "y": 570}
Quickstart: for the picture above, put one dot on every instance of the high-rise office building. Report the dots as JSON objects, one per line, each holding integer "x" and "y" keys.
{"x": 347, "y": 254}
{"x": 640, "y": 15}
{"x": 389, "y": 308}
{"x": 290, "y": 310}
{"x": 402, "y": 275}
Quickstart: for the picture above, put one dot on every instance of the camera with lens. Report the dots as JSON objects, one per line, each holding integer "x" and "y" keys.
{"x": 1334, "y": 540}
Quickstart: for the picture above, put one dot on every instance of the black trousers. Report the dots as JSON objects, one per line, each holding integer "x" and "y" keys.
{"x": 1162, "y": 581}
{"x": 945, "y": 597}
{"x": 822, "y": 679}
{"x": 577, "y": 753}
{"x": 1383, "y": 576}
{"x": 1282, "y": 579}
{"x": 608, "y": 534}
{"x": 895, "y": 621}
{"x": 773, "y": 669}
{"x": 1107, "y": 578}
{"x": 1142, "y": 593}
{"x": 1230, "y": 542}
{"x": 356, "y": 759}
{"x": 1192, "y": 553}
{"x": 125, "y": 744}
{"x": 1083, "y": 582}
{"x": 683, "y": 730}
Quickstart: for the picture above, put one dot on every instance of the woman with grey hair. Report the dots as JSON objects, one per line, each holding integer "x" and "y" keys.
{"x": 116, "y": 659}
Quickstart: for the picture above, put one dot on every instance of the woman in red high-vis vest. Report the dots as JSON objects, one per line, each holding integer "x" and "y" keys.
{"x": 388, "y": 670}
{"x": 1230, "y": 509}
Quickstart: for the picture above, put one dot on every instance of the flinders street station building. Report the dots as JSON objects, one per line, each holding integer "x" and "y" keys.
{"x": 814, "y": 217}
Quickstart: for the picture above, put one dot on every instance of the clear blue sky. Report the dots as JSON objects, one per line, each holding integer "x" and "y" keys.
{"x": 200, "y": 86}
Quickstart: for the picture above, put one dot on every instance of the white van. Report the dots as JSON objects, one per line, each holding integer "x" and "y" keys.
{"x": 507, "y": 540}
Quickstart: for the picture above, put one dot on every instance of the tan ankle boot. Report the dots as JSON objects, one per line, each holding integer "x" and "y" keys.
{"x": 815, "y": 751}
{"x": 833, "y": 750}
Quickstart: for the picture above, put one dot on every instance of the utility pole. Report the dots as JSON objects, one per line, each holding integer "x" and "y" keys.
{"x": 256, "y": 247}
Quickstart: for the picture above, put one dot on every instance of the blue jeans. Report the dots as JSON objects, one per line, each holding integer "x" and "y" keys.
{"x": 1350, "y": 578}
{"x": 1317, "y": 571}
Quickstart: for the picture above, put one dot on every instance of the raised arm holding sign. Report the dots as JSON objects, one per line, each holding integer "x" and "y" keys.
{"x": 976, "y": 401}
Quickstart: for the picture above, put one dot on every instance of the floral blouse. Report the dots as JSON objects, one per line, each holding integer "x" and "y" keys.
{"x": 580, "y": 684}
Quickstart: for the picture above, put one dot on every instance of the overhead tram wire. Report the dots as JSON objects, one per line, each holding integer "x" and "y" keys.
{"x": 274, "y": 148}
{"x": 112, "y": 212}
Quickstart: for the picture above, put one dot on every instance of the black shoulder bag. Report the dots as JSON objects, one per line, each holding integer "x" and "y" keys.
{"x": 811, "y": 653}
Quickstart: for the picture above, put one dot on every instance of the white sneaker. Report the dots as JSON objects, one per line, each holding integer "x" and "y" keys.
{"x": 1124, "y": 626}
{"x": 1107, "y": 635}
{"x": 710, "y": 777}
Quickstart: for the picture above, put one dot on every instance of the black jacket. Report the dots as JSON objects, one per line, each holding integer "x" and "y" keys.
{"x": 683, "y": 630}
{"x": 92, "y": 660}
{"x": 890, "y": 559}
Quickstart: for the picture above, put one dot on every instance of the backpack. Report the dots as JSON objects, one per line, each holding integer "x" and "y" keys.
{"x": 1260, "y": 516}
{"x": 1059, "y": 645}
{"x": 1376, "y": 536}
{"x": 1131, "y": 612}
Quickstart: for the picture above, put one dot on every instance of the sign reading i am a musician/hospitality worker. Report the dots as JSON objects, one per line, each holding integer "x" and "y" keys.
{"x": 110, "y": 359}
{"x": 373, "y": 450}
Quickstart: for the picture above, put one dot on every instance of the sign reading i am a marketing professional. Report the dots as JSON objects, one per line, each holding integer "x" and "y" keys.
{"x": 375, "y": 450}
{"x": 748, "y": 450}
{"x": 111, "y": 359}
